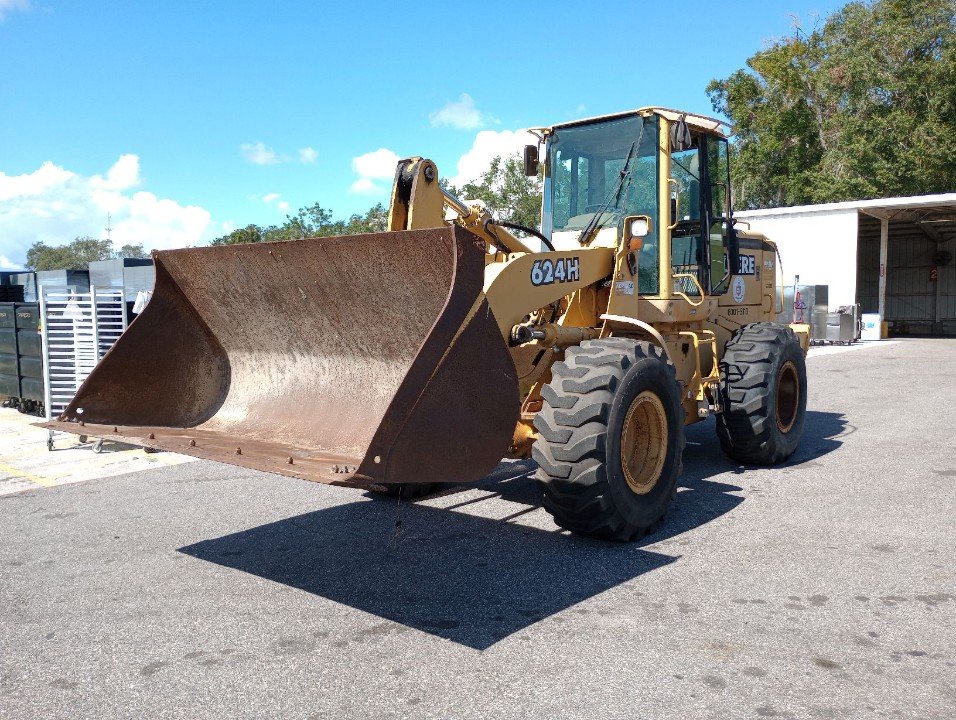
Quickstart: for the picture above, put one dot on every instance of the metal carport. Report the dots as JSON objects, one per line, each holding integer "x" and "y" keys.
{"x": 894, "y": 256}
{"x": 905, "y": 268}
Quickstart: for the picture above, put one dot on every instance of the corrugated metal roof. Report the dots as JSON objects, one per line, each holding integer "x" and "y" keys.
{"x": 871, "y": 207}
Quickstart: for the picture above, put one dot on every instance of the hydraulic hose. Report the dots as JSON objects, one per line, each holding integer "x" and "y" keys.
{"x": 525, "y": 228}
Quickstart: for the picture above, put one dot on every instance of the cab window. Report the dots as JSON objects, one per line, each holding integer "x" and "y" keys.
{"x": 718, "y": 176}
{"x": 687, "y": 251}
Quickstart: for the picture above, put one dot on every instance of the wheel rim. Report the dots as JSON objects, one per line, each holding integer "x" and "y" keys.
{"x": 644, "y": 442}
{"x": 788, "y": 396}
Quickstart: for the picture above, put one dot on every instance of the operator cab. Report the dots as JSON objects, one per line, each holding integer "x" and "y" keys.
{"x": 603, "y": 170}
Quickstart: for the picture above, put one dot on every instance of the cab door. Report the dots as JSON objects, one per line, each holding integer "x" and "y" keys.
{"x": 689, "y": 252}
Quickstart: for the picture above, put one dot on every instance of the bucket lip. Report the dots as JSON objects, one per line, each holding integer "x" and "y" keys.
{"x": 209, "y": 445}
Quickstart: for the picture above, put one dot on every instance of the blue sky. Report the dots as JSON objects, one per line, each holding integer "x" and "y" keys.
{"x": 186, "y": 119}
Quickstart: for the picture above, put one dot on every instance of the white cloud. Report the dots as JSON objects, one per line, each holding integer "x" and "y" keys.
{"x": 364, "y": 186}
{"x": 228, "y": 226}
{"x": 270, "y": 198}
{"x": 7, "y": 6}
{"x": 376, "y": 165}
{"x": 122, "y": 176}
{"x": 461, "y": 114}
{"x": 38, "y": 182}
{"x": 54, "y": 205}
{"x": 258, "y": 154}
{"x": 489, "y": 144}
{"x": 7, "y": 264}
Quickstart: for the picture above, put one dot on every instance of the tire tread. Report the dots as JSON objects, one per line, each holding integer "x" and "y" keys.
{"x": 572, "y": 426}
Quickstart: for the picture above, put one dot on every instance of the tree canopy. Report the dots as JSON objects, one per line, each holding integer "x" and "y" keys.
{"x": 862, "y": 106}
{"x": 503, "y": 187}
{"x": 311, "y": 221}
{"x": 506, "y": 190}
{"x": 78, "y": 254}
{"x": 132, "y": 251}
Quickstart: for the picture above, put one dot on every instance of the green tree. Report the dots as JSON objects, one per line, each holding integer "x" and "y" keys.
{"x": 863, "y": 106}
{"x": 503, "y": 187}
{"x": 310, "y": 221}
{"x": 76, "y": 256}
{"x": 507, "y": 191}
{"x": 132, "y": 251}
{"x": 248, "y": 234}
{"x": 375, "y": 219}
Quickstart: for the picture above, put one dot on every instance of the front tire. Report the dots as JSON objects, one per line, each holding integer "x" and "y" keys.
{"x": 611, "y": 437}
{"x": 763, "y": 394}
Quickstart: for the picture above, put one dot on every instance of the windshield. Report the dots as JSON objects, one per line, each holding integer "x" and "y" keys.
{"x": 586, "y": 163}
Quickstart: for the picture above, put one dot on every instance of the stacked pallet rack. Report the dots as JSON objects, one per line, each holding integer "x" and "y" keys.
{"x": 9, "y": 366}
{"x": 21, "y": 365}
{"x": 78, "y": 329}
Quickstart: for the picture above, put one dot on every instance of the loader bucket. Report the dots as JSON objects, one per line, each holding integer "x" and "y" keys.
{"x": 360, "y": 360}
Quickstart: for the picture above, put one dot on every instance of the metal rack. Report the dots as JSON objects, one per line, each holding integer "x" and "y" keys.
{"x": 77, "y": 330}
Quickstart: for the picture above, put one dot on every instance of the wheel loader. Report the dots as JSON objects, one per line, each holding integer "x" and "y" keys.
{"x": 427, "y": 353}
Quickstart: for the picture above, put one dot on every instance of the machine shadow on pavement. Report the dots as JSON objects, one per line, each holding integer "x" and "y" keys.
{"x": 470, "y": 579}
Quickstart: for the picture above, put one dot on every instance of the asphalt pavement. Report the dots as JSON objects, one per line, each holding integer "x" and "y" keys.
{"x": 823, "y": 588}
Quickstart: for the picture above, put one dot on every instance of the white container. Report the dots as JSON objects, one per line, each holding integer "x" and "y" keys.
{"x": 871, "y": 326}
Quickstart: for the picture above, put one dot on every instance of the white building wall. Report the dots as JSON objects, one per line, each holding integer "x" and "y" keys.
{"x": 819, "y": 246}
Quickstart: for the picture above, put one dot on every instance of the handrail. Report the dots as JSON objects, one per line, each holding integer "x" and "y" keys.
{"x": 677, "y": 204}
{"x": 684, "y": 295}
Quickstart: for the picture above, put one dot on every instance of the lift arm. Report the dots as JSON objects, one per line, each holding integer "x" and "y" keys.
{"x": 419, "y": 202}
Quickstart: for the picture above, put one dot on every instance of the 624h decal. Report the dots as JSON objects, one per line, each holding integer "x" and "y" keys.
{"x": 546, "y": 272}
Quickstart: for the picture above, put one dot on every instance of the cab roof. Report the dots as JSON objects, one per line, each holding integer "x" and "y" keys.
{"x": 697, "y": 122}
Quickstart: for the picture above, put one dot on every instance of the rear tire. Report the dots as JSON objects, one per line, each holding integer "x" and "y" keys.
{"x": 763, "y": 393}
{"x": 607, "y": 395}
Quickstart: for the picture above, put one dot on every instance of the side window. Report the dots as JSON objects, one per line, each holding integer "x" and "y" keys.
{"x": 718, "y": 172}
{"x": 686, "y": 241}
{"x": 642, "y": 199}
{"x": 570, "y": 188}
{"x": 685, "y": 188}
{"x": 562, "y": 180}
{"x": 580, "y": 183}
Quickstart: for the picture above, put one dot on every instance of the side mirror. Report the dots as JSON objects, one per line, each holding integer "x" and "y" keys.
{"x": 680, "y": 136}
{"x": 531, "y": 160}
